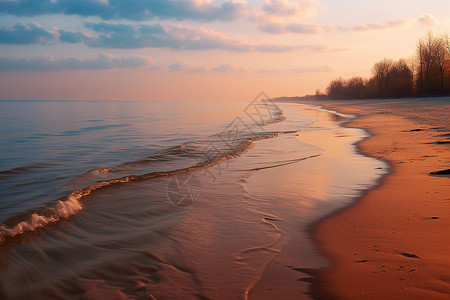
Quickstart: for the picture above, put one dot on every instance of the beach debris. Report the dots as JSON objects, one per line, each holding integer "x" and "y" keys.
{"x": 441, "y": 172}
{"x": 400, "y": 268}
{"x": 306, "y": 279}
{"x": 308, "y": 271}
{"x": 409, "y": 255}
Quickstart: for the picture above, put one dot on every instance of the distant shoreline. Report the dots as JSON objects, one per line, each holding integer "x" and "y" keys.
{"x": 315, "y": 98}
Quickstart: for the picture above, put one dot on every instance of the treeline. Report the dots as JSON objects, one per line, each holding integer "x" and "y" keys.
{"x": 426, "y": 74}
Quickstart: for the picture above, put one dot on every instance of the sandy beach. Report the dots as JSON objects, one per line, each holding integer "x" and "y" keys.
{"x": 393, "y": 243}
{"x": 247, "y": 234}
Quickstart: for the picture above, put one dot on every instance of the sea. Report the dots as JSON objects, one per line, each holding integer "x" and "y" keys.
{"x": 170, "y": 199}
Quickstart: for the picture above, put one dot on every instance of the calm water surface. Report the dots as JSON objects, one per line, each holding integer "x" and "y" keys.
{"x": 167, "y": 200}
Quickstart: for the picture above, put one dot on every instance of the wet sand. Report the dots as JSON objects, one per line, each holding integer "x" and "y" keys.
{"x": 291, "y": 188}
{"x": 394, "y": 242}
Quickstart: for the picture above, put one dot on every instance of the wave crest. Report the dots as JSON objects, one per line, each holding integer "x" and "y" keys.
{"x": 72, "y": 204}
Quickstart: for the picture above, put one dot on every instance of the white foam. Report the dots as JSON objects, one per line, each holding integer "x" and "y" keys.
{"x": 59, "y": 210}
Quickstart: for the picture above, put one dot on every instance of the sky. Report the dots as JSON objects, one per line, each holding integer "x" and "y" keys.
{"x": 204, "y": 50}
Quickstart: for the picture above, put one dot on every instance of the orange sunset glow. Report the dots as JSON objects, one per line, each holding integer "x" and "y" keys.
{"x": 235, "y": 48}
{"x": 224, "y": 149}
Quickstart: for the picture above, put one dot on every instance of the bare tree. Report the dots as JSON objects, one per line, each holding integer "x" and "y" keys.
{"x": 421, "y": 61}
{"x": 401, "y": 79}
{"x": 382, "y": 75}
{"x": 427, "y": 55}
{"x": 335, "y": 88}
{"x": 355, "y": 88}
{"x": 412, "y": 64}
{"x": 441, "y": 55}
{"x": 429, "y": 69}
{"x": 446, "y": 38}
{"x": 432, "y": 54}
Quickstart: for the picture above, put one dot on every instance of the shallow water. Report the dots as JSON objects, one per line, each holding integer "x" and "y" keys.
{"x": 161, "y": 200}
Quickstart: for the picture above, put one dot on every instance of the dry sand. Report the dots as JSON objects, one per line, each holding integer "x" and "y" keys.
{"x": 394, "y": 243}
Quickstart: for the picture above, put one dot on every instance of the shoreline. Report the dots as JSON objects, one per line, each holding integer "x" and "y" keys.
{"x": 315, "y": 288}
{"x": 366, "y": 260}
{"x": 329, "y": 191}
{"x": 248, "y": 232}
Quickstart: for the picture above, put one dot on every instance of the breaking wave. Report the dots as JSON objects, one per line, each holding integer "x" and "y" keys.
{"x": 233, "y": 141}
